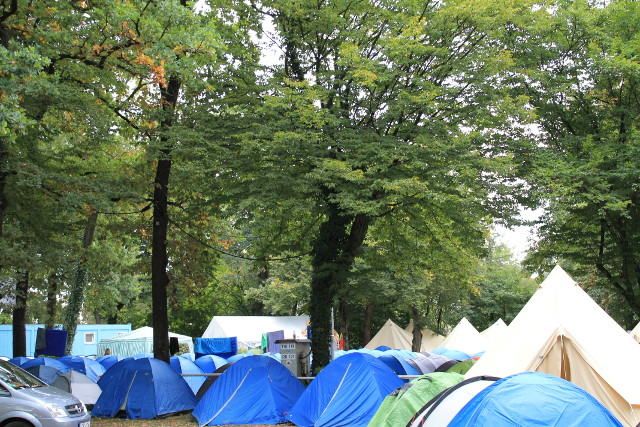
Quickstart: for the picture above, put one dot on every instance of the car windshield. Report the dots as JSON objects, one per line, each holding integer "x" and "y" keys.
{"x": 17, "y": 378}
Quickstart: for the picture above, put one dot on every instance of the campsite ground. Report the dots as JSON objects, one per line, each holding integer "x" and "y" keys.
{"x": 185, "y": 420}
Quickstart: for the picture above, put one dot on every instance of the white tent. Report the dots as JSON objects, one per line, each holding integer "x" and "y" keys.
{"x": 430, "y": 339}
{"x": 249, "y": 329}
{"x": 493, "y": 332}
{"x": 135, "y": 342}
{"x": 563, "y": 332}
{"x": 466, "y": 338}
{"x": 392, "y": 336}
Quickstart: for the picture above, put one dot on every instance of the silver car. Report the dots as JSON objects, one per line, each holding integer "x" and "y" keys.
{"x": 25, "y": 401}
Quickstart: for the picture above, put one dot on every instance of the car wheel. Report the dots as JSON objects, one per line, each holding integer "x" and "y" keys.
{"x": 18, "y": 424}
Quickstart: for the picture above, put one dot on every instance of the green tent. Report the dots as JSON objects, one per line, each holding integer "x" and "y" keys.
{"x": 462, "y": 367}
{"x": 399, "y": 407}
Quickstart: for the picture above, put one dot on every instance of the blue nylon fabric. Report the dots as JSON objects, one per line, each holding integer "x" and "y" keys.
{"x": 347, "y": 392}
{"x": 150, "y": 387}
{"x": 396, "y": 360}
{"x": 182, "y": 365}
{"x": 254, "y": 390}
{"x": 18, "y": 361}
{"x": 210, "y": 362}
{"x": 91, "y": 368}
{"x": 48, "y": 374}
{"x": 109, "y": 361}
{"x": 534, "y": 399}
{"x": 47, "y": 361}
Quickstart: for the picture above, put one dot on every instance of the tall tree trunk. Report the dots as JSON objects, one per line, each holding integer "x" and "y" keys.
{"x": 8, "y": 9}
{"x": 416, "y": 343}
{"x": 326, "y": 267}
{"x": 159, "y": 256}
{"x": 76, "y": 294}
{"x": 52, "y": 300}
{"x": 366, "y": 327}
{"x": 344, "y": 322}
{"x": 20, "y": 315}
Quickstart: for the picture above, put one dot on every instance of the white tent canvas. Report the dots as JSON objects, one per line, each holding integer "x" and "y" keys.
{"x": 392, "y": 336}
{"x": 563, "y": 332}
{"x": 493, "y": 332}
{"x": 137, "y": 341}
{"x": 430, "y": 339}
{"x": 466, "y": 338}
{"x": 249, "y": 329}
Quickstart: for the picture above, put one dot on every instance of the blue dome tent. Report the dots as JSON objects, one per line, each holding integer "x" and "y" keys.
{"x": 534, "y": 398}
{"x": 253, "y": 390}
{"x": 182, "y": 365}
{"x": 109, "y": 360}
{"x": 91, "y": 368}
{"x": 348, "y": 391}
{"x": 210, "y": 362}
{"x": 147, "y": 388}
{"x": 47, "y": 361}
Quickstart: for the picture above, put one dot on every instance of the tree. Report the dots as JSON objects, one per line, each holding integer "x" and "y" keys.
{"x": 583, "y": 83}
{"x": 377, "y": 109}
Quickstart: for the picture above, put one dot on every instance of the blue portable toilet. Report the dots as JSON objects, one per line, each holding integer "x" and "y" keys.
{"x": 347, "y": 392}
{"x": 534, "y": 398}
{"x": 253, "y": 390}
{"x": 91, "y": 368}
{"x": 147, "y": 387}
{"x": 182, "y": 365}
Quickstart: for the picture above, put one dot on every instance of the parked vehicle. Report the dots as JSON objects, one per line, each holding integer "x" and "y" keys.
{"x": 25, "y": 401}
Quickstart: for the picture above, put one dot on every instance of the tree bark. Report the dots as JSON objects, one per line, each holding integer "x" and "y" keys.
{"x": 20, "y": 315}
{"x": 76, "y": 294}
{"x": 366, "y": 327}
{"x": 159, "y": 256}
{"x": 52, "y": 300}
{"x": 8, "y": 10}
{"x": 416, "y": 343}
{"x": 327, "y": 267}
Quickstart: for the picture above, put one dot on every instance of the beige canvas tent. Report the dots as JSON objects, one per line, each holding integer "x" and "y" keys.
{"x": 563, "y": 332}
{"x": 391, "y": 335}
{"x": 466, "y": 338}
{"x": 493, "y": 332}
{"x": 430, "y": 339}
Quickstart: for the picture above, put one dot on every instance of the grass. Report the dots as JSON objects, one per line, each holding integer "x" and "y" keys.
{"x": 183, "y": 420}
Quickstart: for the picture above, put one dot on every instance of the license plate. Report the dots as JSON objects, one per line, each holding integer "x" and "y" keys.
{"x": 85, "y": 424}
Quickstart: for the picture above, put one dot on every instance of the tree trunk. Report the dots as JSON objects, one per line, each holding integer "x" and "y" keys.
{"x": 52, "y": 300}
{"x": 76, "y": 294}
{"x": 416, "y": 343}
{"x": 9, "y": 9}
{"x": 327, "y": 267}
{"x": 20, "y": 315}
{"x": 366, "y": 327}
{"x": 159, "y": 256}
